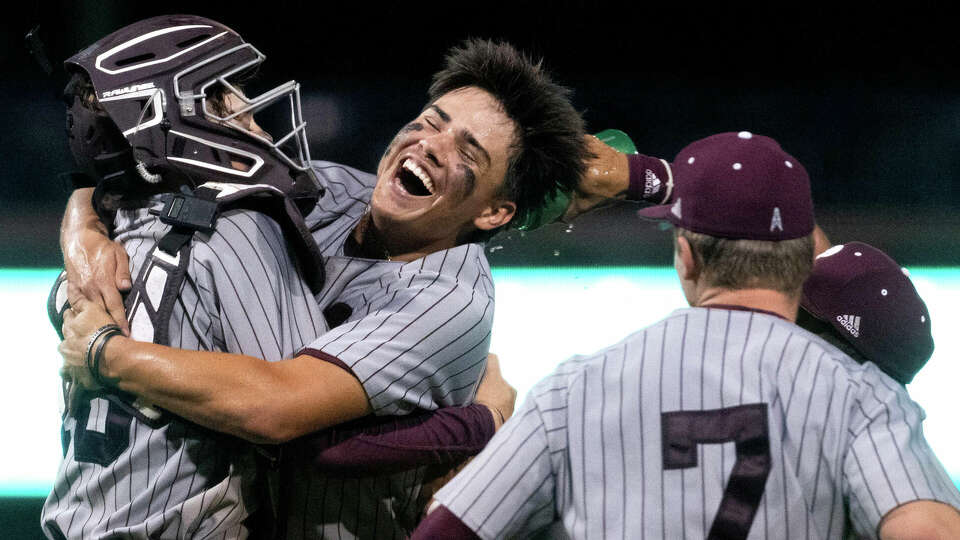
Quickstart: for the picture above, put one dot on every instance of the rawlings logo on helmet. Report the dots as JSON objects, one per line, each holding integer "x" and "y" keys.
{"x": 128, "y": 89}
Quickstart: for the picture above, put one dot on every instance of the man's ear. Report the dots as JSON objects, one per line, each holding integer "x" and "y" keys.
{"x": 498, "y": 214}
{"x": 687, "y": 268}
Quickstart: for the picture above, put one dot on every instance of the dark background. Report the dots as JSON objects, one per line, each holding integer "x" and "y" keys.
{"x": 867, "y": 98}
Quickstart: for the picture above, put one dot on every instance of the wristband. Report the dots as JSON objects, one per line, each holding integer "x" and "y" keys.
{"x": 98, "y": 355}
{"x": 651, "y": 179}
{"x": 93, "y": 360}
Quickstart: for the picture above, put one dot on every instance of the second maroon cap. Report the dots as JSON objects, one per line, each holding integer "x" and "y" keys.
{"x": 871, "y": 302}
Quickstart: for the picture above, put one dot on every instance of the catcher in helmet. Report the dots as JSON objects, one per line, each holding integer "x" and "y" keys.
{"x": 204, "y": 203}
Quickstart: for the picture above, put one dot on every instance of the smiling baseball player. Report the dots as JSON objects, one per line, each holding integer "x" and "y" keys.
{"x": 726, "y": 419}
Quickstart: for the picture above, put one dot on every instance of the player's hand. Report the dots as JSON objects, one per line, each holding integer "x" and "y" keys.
{"x": 606, "y": 179}
{"x": 79, "y": 324}
{"x": 97, "y": 269}
{"x": 496, "y": 393}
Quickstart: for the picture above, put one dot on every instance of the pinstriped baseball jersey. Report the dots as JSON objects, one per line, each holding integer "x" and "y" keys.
{"x": 125, "y": 475}
{"x": 712, "y": 420}
{"x": 417, "y": 336}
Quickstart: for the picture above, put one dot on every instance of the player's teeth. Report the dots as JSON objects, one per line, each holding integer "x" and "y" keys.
{"x": 421, "y": 174}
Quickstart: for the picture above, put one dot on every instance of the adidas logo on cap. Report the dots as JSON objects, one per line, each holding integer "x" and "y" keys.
{"x": 851, "y": 323}
{"x": 651, "y": 184}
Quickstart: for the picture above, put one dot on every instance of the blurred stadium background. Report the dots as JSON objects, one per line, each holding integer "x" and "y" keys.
{"x": 869, "y": 102}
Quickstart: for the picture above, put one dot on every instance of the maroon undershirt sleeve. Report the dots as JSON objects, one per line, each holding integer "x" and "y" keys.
{"x": 441, "y": 524}
{"x": 384, "y": 444}
{"x": 649, "y": 177}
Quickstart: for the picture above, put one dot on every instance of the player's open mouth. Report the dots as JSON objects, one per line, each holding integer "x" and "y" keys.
{"x": 415, "y": 180}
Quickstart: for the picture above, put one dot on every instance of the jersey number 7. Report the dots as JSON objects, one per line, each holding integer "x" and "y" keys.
{"x": 747, "y": 426}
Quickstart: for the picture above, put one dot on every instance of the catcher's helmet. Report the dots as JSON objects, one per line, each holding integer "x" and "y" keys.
{"x": 161, "y": 81}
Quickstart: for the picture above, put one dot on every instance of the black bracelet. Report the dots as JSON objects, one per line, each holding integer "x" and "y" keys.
{"x": 92, "y": 362}
{"x": 97, "y": 356}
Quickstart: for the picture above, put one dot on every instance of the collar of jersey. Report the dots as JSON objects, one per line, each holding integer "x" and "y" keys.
{"x": 734, "y": 307}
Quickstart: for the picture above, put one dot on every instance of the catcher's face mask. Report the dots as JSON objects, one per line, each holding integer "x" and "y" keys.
{"x": 168, "y": 84}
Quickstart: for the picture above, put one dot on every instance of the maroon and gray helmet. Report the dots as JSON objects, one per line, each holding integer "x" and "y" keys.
{"x": 160, "y": 79}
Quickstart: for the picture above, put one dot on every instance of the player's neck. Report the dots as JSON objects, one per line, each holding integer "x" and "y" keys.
{"x": 763, "y": 299}
{"x": 372, "y": 244}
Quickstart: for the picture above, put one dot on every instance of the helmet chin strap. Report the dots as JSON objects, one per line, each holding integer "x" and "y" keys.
{"x": 147, "y": 175}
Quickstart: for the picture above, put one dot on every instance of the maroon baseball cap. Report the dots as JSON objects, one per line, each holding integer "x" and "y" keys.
{"x": 741, "y": 186}
{"x": 871, "y": 302}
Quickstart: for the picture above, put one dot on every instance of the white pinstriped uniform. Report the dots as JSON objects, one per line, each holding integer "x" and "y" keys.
{"x": 242, "y": 294}
{"x": 417, "y": 337}
{"x": 599, "y": 444}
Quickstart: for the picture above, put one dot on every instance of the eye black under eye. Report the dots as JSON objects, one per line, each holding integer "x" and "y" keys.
{"x": 469, "y": 157}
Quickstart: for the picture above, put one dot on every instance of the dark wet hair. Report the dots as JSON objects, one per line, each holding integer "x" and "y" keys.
{"x": 549, "y": 150}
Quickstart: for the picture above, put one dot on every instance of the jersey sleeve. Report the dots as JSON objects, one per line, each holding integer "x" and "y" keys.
{"x": 421, "y": 342}
{"x": 508, "y": 490}
{"x": 888, "y": 462}
{"x": 389, "y": 444}
{"x": 250, "y": 298}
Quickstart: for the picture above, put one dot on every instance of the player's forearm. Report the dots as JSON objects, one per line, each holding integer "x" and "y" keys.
{"x": 608, "y": 173}
{"x": 218, "y": 390}
{"x": 377, "y": 445}
{"x": 240, "y": 395}
{"x": 607, "y": 177}
{"x": 79, "y": 216}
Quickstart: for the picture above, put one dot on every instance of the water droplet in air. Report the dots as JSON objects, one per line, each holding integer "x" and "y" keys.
{"x": 569, "y": 228}
{"x": 556, "y": 253}
{"x": 495, "y": 248}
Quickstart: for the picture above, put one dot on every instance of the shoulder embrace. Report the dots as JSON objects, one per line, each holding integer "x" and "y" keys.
{"x": 331, "y": 173}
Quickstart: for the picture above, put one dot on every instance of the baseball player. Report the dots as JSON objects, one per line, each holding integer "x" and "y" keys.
{"x": 726, "y": 419}
{"x": 130, "y": 470}
{"x": 408, "y": 289}
{"x": 864, "y": 303}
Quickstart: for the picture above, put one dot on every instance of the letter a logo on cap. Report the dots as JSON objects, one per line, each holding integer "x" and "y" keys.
{"x": 776, "y": 223}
